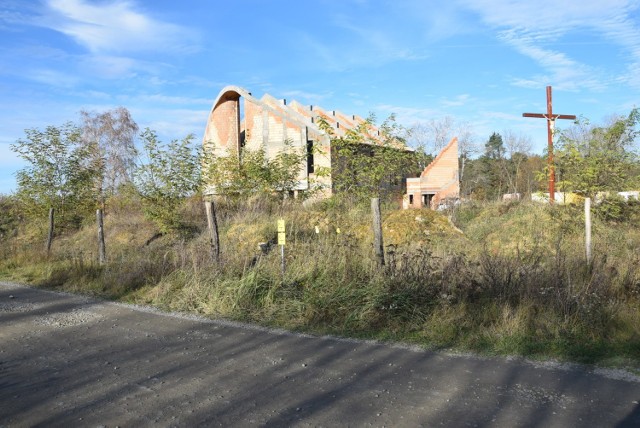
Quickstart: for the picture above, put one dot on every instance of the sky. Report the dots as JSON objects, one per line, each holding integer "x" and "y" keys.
{"x": 481, "y": 62}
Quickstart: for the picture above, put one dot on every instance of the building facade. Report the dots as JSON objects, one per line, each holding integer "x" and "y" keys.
{"x": 239, "y": 120}
{"x": 439, "y": 183}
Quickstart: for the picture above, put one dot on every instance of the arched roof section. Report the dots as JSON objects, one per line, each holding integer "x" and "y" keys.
{"x": 230, "y": 92}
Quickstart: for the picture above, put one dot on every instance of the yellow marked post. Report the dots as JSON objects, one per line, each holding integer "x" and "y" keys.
{"x": 282, "y": 235}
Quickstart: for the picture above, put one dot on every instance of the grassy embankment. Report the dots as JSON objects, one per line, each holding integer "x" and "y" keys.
{"x": 512, "y": 280}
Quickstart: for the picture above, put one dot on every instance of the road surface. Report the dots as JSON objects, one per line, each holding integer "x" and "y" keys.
{"x": 74, "y": 361}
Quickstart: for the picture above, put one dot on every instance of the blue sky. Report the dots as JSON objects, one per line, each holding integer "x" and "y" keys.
{"x": 481, "y": 62}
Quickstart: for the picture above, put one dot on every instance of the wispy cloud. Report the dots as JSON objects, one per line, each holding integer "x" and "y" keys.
{"x": 303, "y": 96}
{"x": 377, "y": 40}
{"x": 436, "y": 24}
{"x": 53, "y": 78}
{"x": 170, "y": 100}
{"x": 111, "y": 67}
{"x": 173, "y": 123}
{"x": 535, "y": 28}
{"x": 371, "y": 40}
{"x": 121, "y": 39}
{"x": 568, "y": 74}
{"x": 371, "y": 52}
{"x": 408, "y": 115}
{"x": 458, "y": 100}
{"x": 116, "y": 27}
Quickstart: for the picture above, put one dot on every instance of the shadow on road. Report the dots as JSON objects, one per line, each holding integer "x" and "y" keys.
{"x": 98, "y": 363}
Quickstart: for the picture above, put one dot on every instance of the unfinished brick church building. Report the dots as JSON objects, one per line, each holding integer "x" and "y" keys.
{"x": 238, "y": 120}
{"x": 439, "y": 182}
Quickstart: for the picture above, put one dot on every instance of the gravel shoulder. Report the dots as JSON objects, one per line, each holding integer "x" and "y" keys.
{"x": 68, "y": 360}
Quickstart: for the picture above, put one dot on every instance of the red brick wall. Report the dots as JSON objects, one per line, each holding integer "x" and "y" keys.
{"x": 225, "y": 124}
{"x": 439, "y": 178}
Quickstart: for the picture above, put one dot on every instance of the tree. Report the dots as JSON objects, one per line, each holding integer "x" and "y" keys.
{"x": 112, "y": 134}
{"x": 432, "y": 136}
{"x": 531, "y": 180}
{"x": 494, "y": 147}
{"x": 251, "y": 171}
{"x": 167, "y": 176}
{"x": 60, "y": 174}
{"x": 516, "y": 148}
{"x": 366, "y": 167}
{"x": 492, "y": 169}
{"x": 590, "y": 159}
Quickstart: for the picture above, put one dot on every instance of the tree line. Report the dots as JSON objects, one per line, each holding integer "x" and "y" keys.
{"x": 77, "y": 168}
{"x": 588, "y": 158}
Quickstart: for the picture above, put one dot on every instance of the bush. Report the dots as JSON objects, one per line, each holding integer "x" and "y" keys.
{"x": 615, "y": 208}
{"x": 166, "y": 179}
{"x": 531, "y": 293}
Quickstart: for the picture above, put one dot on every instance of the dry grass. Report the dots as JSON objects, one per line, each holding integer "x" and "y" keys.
{"x": 515, "y": 282}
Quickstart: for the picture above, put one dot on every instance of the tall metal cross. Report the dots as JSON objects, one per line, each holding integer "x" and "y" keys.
{"x": 551, "y": 121}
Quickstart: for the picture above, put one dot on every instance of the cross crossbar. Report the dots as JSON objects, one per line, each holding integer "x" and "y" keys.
{"x": 554, "y": 117}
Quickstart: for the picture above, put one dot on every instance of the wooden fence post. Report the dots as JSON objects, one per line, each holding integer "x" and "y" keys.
{"x": 214, "y": 237}
{"x": 50, "y": 235}
{"x": 378, "y": 245}
{"x": 587, "y": 227}
{"x": 102, "y": 251}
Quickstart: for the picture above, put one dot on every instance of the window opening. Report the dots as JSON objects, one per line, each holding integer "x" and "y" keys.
{"x": 310, "y": 161}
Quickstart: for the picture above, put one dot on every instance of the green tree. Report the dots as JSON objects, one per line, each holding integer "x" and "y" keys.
{"x": 363, "y": 166}
{"x": 492, "y": 176}
{"x": 60, "y": 174}
{"x": 166, "y": 177}
{"x": 494, "y": 147}
{"x": 590, "y": 159}
{"x": 251, "y": 171}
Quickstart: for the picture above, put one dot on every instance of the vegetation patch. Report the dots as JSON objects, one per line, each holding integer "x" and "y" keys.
{"x": 438, "y": 288}
{"x": 500, "y": 278}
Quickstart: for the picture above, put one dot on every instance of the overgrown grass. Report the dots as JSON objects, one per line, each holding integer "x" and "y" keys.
{"x": 516, "y": 282}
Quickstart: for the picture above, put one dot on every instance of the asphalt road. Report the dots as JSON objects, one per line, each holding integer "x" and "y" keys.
{"x": 73, "y": 361}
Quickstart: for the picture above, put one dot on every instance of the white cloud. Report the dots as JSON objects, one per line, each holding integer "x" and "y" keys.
{"x": 535, "y": 28}
{"x": 552, "y": 17}
{"x": 170, "y": 100}
{"x": 53, "y": 78}
{"x": 376, "y": 43}
{"x": 456, "y": 101}
{"x": 371, "y": 41}
{"x": 302, "y": 96}
{"x": 111, "y": 67}
{"x": 116, "y": 27}
{"x": 409, "y": 115}
{"x": 567, "y": 73}
{"x": 173, "y": 123}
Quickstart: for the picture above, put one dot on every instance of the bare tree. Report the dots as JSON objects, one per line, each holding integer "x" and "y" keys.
{"x": 517, "y": 148}
{"x": 435, "y": 134}
{"x": 113, "y": 132}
